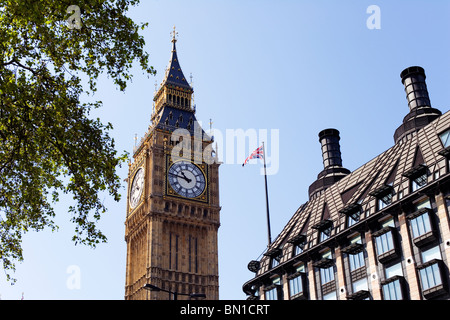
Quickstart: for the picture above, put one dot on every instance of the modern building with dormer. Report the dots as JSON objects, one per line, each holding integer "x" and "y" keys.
{"x": 381, "y": 232}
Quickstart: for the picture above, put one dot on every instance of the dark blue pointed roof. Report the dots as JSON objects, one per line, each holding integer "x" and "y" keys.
{"x": 170, "y": 119}
{"x": 174, "y": 74}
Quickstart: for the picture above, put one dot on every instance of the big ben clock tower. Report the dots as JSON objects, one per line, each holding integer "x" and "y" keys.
{"x": 173, "y": 200}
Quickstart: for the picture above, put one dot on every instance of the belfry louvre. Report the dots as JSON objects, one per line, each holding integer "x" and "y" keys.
{"x": 381, "y": 232}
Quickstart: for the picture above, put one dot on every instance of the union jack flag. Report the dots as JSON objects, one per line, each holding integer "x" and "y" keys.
{"x": 257, "y": 154}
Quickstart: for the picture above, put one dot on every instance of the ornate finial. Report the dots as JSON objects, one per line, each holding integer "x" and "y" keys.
{"x": 174, "y": 34}
{"x": 191, "y": 77}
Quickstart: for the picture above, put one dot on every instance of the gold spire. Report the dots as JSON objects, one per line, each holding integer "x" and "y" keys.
{"x": 174, "y": 34}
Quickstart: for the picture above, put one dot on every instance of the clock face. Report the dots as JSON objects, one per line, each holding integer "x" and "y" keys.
{"x": 136, "y": 188}
{"x": 186, "y": 179}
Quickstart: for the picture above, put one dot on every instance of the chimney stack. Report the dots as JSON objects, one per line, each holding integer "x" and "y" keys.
{"x": 420, "y": 111}
{"x": 332, "y": 162}
{"x": 331, "y": 150}
{"x": 413, "y": 78}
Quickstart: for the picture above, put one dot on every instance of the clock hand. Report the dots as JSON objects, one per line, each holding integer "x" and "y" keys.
{"x": 186, "y": 178}
{"x": 182, "y": 177}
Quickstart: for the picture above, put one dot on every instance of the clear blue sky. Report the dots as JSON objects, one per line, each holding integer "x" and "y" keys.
{"x": 293, "y": 66}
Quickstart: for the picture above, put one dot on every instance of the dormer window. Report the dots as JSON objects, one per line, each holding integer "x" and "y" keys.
{"x": 384, "y": 196}
{"x": 324, "y": 228}
{"x": 353, "y": 213}
{"x": 275, "y": 255}
{"x": 384, "y": 201}
{"x": 325, "y": 234}
{"x": 299, "y": 243}
{"x": 418, "y": 177}
{"x": 299, "y": 248}
{"x": 275, "y": 261}
{"x": 418, "y": 182}
{"x": 445, "y": 138}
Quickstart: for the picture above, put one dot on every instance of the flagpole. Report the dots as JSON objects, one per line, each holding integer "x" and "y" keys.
{"x": 267, "y": 197}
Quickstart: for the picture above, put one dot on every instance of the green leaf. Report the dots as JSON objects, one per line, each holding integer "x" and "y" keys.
{"x": 48, "y": 143}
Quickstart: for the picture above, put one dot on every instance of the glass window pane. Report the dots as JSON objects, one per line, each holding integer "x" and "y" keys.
{"x": 271, "y": 294}
{"x": 426, "y": 222}
{"x": 423, "y": 204}
{"x": 384, "y": 241}
{"x": 424, "y": 277}
{"x": 436, "y": 274}
{"x": 388, "y": 223}
{"x": 419, "y": 182}
{"x": 301, "y": 268}
{"x": 386, "y": 294}
{"x": 420, "y": 225}
{"x": 380, "y": 204}
{"x": 361, "y": 259}
{"x": 351, "y": 259}
{"x": 392, "y": 291}
{"x": 379, "y": 245}
{"x": 295, "y": 286}
{"x": 390, "y": 241}
{"x": 398, "y": 291}
{"x": 430, "y": 276}
{"x": 323, "y": 236}
{"x": 415, "y": 228}
{"x": 445, "y": 138}
{"x": 433, "y": 253}
{"x": 356, "y": 260}
{"x": 274, "y": 262}
{"x": 356, "y": 239}
{"x": 360, "y": 285}
{"x": 327, "y": 254}
{"x": 395, "y": 270}
{"x": 330, "y": 296}
{"x": 327, "y": 275}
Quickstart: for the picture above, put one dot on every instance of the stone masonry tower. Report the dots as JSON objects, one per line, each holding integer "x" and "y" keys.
{"x": 173, "y": 211}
